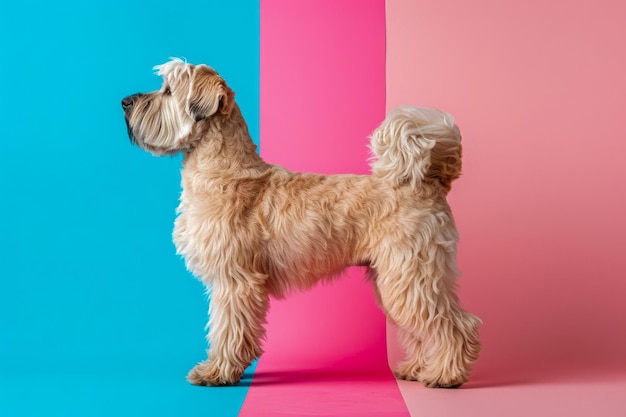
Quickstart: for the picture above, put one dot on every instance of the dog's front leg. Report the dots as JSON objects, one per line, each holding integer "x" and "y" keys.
{"x": 236, "y": 317}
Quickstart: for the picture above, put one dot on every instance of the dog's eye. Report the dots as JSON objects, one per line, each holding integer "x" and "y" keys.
{"x": 167, "y": 91}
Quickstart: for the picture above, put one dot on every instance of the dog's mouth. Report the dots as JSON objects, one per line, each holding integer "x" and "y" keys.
{"x": 131, "y": 134}
{"x": 155, "y": 150}
{"x": 137, "y": 136}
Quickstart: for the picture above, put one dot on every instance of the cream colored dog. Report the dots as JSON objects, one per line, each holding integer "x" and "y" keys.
{"x": 250, "y": 230}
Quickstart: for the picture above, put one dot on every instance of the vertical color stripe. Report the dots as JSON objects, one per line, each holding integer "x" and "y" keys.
{"x": 322, "y": 94}
{"x": 98, "y": 316}
{"x": 538, "y": 90}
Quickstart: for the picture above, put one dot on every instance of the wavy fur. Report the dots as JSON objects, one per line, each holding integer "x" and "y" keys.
{"x": 415, "y": 144}
{"x": 249, "y": 229}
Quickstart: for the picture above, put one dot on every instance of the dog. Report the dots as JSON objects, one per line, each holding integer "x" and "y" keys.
{"x": 250, "y": 230}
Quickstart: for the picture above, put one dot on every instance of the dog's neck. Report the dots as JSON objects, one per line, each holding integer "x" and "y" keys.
{"x": 224, "y": 146}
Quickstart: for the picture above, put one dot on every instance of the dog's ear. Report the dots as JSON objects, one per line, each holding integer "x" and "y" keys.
{"x": 208, "y": 94}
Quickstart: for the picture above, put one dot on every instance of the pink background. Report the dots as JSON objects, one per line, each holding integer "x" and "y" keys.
{"x": 322, "y": 94}
{"x": 539, "y": 92}
{"x": 315, "y": 117}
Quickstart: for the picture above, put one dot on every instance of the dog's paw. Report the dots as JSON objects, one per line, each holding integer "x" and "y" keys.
{"x": 441, "y": 381}
{"x": 408, "y": 371}
{"x": 438, "y": 384}
{"x": 207, "y": 374}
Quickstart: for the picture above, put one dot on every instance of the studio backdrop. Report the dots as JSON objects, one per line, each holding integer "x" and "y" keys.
{"x": 99, "y": 317}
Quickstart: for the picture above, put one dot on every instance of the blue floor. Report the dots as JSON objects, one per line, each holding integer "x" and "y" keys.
{"x": 106, "y": 394}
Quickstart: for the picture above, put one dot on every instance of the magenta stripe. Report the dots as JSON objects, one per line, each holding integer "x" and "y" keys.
{"x": 322, "y": 94}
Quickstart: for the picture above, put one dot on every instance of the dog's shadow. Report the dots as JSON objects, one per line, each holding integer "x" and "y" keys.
{"x": 313, "y": 376}
{"x": 329, "y": 377}
{"x": 557, "y": 372}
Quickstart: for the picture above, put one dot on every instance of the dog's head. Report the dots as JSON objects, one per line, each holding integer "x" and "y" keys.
{"x": 164, "y": 122}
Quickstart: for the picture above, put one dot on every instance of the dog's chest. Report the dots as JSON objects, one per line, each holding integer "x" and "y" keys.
{"x": 203, "y": 233}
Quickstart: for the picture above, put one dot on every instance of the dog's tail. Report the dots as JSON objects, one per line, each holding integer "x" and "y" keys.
{"x": 414, "y": 145}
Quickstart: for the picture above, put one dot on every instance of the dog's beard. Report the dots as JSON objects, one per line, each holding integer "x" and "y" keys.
{"x": 131, "y": 134}
{"x": 158, "y": 125}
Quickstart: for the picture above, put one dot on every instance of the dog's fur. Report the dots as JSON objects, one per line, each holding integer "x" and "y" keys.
{"x": 250, "y": 230}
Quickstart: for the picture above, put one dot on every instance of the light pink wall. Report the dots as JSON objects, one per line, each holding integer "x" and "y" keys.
{"x": 539, "y": 91}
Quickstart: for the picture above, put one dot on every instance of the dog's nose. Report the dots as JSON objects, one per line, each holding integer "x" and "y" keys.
{"x": 129, "y": 102}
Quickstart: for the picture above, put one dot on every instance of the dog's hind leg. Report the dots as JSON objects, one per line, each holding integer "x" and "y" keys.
{"x": 409, "y": 340}
{"x": 413, "y": 362}
{"x": 419, "y": 295}
{"x": 236, "y": 317}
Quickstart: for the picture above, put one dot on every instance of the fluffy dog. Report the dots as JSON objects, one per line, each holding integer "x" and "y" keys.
{"x": 250, "y": 230}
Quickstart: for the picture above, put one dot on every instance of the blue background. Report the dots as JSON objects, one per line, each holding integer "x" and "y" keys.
{"x": 98, "y": 316}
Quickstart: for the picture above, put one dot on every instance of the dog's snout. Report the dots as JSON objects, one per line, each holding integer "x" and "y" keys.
{"x": 129, "y": 102}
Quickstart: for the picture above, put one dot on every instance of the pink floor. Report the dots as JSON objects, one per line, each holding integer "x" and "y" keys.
{"x": 601, "y": 398}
